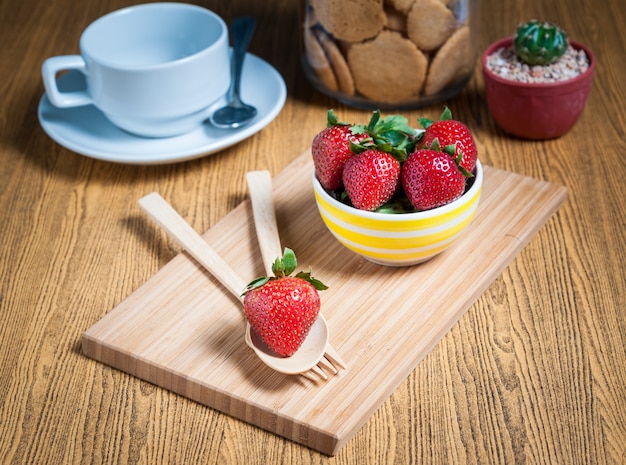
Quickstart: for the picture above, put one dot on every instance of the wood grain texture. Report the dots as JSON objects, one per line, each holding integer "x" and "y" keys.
{"x": 534, "y": 372}
{"x": 181, "y": 332}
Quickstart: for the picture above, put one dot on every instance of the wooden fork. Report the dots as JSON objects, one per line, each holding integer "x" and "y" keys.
{"x": 260, "y": 188}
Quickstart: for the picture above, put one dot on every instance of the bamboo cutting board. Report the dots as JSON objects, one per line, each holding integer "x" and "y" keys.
{"x": 182, "y": 331}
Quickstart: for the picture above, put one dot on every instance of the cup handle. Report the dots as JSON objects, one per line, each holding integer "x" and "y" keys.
{"x": 49, "y": 70}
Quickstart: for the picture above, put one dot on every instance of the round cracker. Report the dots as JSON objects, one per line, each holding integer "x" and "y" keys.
{"x": 429, "y": 24}
{"x": 453, "y": 59}
{"x": 350, "y": 20}
{"x": 337, "y": 63}
{"x": 316, "y": 58}
{"x": 388, "y": 69}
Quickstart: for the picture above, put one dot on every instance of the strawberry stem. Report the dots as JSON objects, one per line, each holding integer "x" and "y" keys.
{"x": 392, "y": 134}
{"x": 283, "y": 267}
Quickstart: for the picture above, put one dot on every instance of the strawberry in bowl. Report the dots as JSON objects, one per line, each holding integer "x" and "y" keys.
{"x": 406, "y": 194}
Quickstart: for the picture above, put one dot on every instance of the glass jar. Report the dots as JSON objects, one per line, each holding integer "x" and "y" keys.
{"x": 388, "y": 54}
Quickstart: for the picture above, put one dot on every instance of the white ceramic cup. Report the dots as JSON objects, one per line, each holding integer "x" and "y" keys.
{"x": 153, "y": 69}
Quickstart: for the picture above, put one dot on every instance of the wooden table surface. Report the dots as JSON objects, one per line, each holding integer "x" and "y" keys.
{"x": 535, "y": 372}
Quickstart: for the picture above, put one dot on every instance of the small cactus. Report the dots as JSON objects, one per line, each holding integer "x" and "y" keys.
{"x": 540, "y": 42}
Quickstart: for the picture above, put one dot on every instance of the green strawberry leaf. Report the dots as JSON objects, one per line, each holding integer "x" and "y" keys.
{"x": 458, "y": 160}
{"x": 451, "y": 150}
{"x": 399, "y": 154}
{"x": 434, "y": 145}
{"x": 278, "y": 268}
{"x": 466, "y": 173}
{"x": 393, "y": 134}
{"x": 289, "y": 261}
{"x": 358, "y": 129}
{"x": 396, "y": 123}
{"x": 332, "y": 120}
{"x": 397, "y": 205}
{"x": 258, "y": 282}
{"x": 343, "y": 197}
{"x": 373, "y": 121}
{"x": 317, "y": 284}
{"x": 446, "y": 115}
{"x": 425, "y": 122}
{"x": 362, "y": 146}
{"x": 285, "y": 265}
{"x": 383, "y": 144}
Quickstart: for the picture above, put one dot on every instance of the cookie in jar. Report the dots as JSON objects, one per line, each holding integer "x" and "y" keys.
{"x": 388, "y": 54}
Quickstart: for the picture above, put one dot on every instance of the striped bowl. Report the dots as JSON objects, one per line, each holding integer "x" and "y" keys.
{"x": 399, "y": 239}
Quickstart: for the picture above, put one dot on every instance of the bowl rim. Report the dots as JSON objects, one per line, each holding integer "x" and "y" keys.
{"x": 507, "y": 41}
{"x": 400, "y": 217}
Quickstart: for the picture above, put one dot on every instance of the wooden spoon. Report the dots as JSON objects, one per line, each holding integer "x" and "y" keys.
{"x": 163, "y": 214}
{"x": 260, "y": 188}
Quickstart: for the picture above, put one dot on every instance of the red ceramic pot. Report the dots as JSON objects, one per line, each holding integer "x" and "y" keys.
{"x": 536, "y": 111}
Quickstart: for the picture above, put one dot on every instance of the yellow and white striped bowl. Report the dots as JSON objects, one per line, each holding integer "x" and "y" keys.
{"x": 399, "y": 239}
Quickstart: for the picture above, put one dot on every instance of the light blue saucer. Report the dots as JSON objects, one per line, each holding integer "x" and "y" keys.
{"x": 86, "y": 131}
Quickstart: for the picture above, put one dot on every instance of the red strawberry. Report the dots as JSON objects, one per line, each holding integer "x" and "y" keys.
{"x": 330, "y": 149}
{"x": 281, "y": 309}
{"x": 371, "y": 178}
{"x": 431, "y": 179}
{"x": 450, "y": 132}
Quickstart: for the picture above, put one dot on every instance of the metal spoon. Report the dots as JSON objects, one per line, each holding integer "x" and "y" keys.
{"x": 237, "y": 113}
{"x": 162, "y": 213}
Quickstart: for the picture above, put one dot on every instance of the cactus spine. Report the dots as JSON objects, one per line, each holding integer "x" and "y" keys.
{"x": 540, "y": 42}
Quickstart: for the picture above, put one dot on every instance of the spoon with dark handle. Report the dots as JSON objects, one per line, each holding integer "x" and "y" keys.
{"x": 237, "y": 113}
